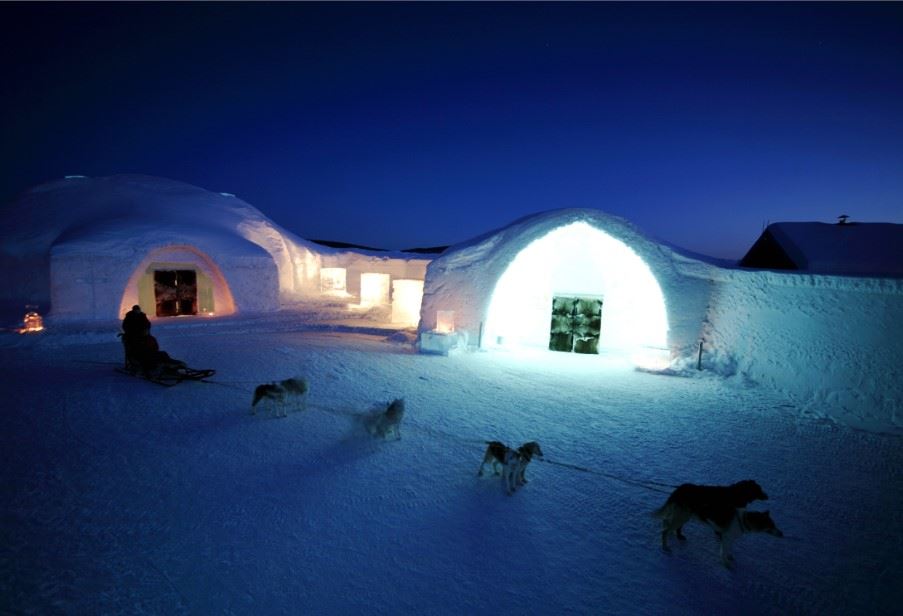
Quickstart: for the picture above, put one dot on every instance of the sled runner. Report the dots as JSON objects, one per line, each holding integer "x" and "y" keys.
{"x": 144, "y": 359}
{"x": 170, "y": 374}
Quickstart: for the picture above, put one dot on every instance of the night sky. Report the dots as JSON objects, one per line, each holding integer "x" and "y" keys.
{"x": 403, "y": 125}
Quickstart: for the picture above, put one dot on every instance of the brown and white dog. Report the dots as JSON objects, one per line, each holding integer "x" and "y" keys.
{"x": 721, "y": 507}
{"x": 513, "y": 462}
{"x": 276, "y": 394}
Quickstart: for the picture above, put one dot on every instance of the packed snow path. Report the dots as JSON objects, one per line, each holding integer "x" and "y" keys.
{"x": 120, "y": 496}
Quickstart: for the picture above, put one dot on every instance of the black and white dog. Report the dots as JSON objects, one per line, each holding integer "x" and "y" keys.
{"x": 276, "y": 395}
{"x": 513, "y": 462}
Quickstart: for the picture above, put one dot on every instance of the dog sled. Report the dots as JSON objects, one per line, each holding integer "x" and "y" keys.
{"x": 144, "y": 359}
{"x": 170, "y": 375}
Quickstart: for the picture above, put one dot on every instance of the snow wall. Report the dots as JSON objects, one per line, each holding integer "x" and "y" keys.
{"x": 87, "y": 284}
{"x": 396, "y": 265}
{"x": 832, "y": 344}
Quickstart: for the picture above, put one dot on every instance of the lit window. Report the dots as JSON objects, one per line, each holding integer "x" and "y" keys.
{"x": 332, "y": 280}
{"x": 407, "y": 296}
{"x": 374, "y": 289}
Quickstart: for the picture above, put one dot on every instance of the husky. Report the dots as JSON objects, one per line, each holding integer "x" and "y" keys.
{"x": 386, "y": 423}
{"x": 276, "y": 395}
{"x": 690, "y": 500}
{"x": 729, "y": 524}
{"x": 721, "y": 507}
{"x": 513, "y": 462}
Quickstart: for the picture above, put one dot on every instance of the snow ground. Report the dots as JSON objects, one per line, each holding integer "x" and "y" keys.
{"x": 120, "y": 496}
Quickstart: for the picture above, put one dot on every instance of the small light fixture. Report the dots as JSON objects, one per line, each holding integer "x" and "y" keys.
{"x": 651, "y": 359}
{"x": 445, "y": 321}
{"x": 32, "y": 323}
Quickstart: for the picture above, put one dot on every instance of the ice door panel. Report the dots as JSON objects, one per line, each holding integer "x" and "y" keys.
{"x": 587, "y": 325}
{"x": 187, "y": 291}
{"x": 561, "y": 335}
{"x": 576, "y": 323}
{"x": 165, "y": 293}
{"x": 175, "y": 292}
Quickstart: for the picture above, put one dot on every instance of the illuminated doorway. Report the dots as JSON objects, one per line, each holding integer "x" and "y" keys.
{"x": 175, "y": 292}
{"x": 577, "y": 261}
{"x": 576, "y": 323}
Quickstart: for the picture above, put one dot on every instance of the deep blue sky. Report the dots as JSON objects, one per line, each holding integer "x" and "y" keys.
{"x": 401, "y": 125}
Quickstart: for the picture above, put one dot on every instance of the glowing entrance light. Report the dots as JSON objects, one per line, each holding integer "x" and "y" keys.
{"x": 578, "y": 260}
{"x": 332, "y": 280}
{"x": 407, "y": 295}
{"x": 374, "y": 289}
{"x": 445, "y": 321}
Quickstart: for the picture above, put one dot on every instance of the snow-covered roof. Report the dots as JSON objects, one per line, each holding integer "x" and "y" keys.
{"x": 120, "y": 213}
{"x": 863, "y": 249}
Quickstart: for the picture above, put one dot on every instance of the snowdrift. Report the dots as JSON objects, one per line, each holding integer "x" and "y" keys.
{"x": 832, "y": 344}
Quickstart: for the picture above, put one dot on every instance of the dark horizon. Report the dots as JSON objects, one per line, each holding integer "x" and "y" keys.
{"x": 402, "y": 125}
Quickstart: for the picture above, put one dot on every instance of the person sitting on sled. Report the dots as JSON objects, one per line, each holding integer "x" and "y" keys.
{"x": 135, "y": 325}
{"x": 142, "y": 352}
{"x": 135, "y": 331}
{"x": 152, "y": 360}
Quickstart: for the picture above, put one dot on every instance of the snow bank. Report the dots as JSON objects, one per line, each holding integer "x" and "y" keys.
{"x": 832, "y": 344}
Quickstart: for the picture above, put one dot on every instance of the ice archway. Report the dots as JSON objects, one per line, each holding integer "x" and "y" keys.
{"x": 577, "y": 260}
{"x": 215, "y": 296}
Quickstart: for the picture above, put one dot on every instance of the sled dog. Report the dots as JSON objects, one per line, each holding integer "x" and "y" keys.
{"x": 386, "y": 423}
{"x": 731, "y": 524}
{"x": 513, "y": 462}
{"x": 276, "y": 395}
{"x": 721, "y": 507}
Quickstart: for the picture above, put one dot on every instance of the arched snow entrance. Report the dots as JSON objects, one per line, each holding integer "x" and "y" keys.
{"x": 178, "y": 280}
{"x": 578, "y": 289}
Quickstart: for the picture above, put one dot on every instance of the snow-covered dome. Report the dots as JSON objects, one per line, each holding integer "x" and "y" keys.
{"x": 90, "y": 247}
{"x": 615, "y": 288}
